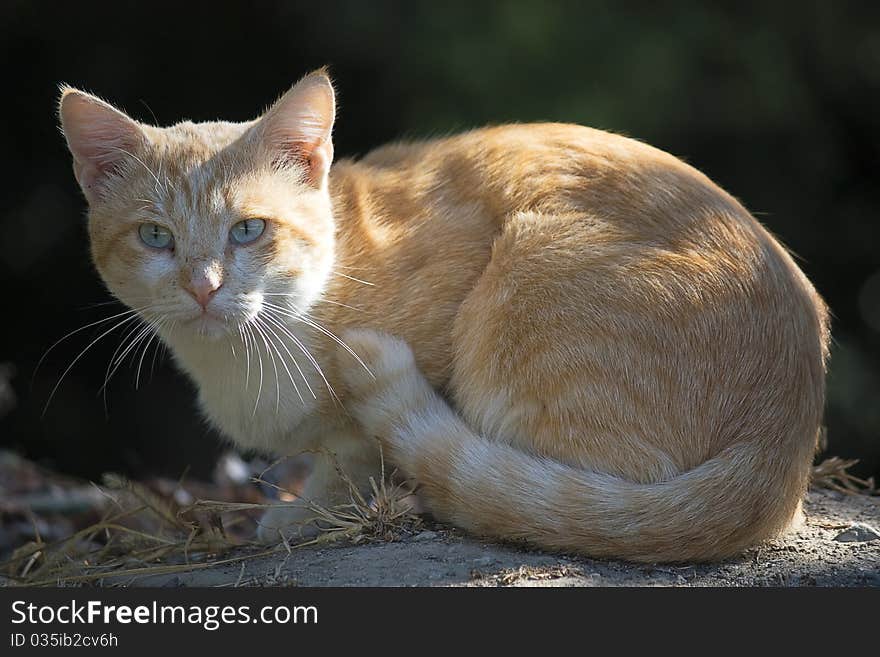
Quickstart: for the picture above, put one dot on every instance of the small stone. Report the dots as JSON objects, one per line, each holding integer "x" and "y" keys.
{"x": 858, "y": 533}
{"x": 425, "y": 536}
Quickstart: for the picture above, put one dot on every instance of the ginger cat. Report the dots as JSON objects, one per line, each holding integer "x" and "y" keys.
{"x": 566, "y": 337}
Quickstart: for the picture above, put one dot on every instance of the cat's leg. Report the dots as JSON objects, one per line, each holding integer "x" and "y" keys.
{"x": 393, "y": 401}
{"x": 345, "y": 460}
{"x": 421, "y": 434}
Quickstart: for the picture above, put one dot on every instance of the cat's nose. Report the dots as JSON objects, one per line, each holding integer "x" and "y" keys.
{"x": 203, "y": 288}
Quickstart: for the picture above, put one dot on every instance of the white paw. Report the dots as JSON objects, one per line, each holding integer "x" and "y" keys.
{"x": 386, "y": 386}
{"x": 286, "y": 522}
{"x": 380, "y": 355}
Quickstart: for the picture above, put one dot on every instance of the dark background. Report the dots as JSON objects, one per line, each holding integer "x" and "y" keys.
{"x": 777, "y": 102}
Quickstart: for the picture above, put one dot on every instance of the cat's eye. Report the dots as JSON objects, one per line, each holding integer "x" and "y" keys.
{"x": 155, "y": 236}
{"x": 245, "y": 232}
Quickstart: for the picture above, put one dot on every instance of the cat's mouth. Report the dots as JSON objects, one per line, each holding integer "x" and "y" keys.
{"x": 209, "y": 324}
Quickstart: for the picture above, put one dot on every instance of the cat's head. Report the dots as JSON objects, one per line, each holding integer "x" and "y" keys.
{"x": 205, "y": 225}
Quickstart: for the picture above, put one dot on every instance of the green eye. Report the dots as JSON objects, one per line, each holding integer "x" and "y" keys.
{"x": 155, "y": 236}
{"x": 245, "y": 232}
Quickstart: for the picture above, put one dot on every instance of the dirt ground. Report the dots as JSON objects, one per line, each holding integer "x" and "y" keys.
{"x": 814, "y": 555}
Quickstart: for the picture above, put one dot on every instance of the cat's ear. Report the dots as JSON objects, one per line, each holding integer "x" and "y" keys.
{"x": 297, "y": 129}
{"x": 99, "y": 137}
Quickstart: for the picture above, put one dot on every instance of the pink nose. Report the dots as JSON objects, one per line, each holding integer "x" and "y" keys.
{"x": 202, "y": 290}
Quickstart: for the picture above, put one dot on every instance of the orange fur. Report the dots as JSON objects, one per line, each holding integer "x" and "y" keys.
{"x": 633, "y": 366}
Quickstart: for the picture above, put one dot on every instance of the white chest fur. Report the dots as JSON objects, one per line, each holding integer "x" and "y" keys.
{"x": 262, "y": 394}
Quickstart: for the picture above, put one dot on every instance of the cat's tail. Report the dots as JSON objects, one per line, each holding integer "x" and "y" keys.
{"x": 713, "y": 511}
{"x": 743, "y": 495}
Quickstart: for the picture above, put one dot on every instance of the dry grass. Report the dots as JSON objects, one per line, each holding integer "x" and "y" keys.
{"x": 832, "y": 473}
{"x": 139, "y": 531}
{"x": 526, "y": 574}
{"x": 387, "y": 515}
{"x": 142, "y": 533}
{"x": 145, "y": 534}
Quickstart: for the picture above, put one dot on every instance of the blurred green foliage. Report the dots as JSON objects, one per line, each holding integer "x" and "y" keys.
{"x": 779, "y": 102}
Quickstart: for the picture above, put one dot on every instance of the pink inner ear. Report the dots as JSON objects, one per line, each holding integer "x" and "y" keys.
{"x": 297, "y": 129}
{"x": 315, "y": 158}
{"x": 289, "y": 152}
{"x": 100, "y": 138}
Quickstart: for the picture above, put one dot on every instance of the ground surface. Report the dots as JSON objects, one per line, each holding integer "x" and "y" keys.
{"x": 814, "y": 555}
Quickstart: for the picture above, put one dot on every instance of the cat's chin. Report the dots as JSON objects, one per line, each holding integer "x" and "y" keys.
{"x": 208, "y": 326}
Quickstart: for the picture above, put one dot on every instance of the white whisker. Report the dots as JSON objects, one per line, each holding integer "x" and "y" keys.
{"x": 310, "y": 322}
{"x": 82, "y": 353}
{"x": 283, "y": 344}
{"x": 108, "y": 373}
{"x": 160, "y": 345}
{"x": 270, "y": 315}
{"x": 283, "y": 363}
{"x": 145, "y": 330}
{"x": 154, "y": 334}
{"x": 330, "y": 301}
{"x": 249, "y": 328}
{"x": 83, "y": 328}
{"x": 256, "y": 325}
{"x": 231, "y": 345}
{"x": 358, "y": 280}
{"x": 144, "y": 164}
{"x": 247, "y": 355}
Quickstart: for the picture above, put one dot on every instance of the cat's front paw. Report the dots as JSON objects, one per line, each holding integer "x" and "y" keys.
{"x": 375, "y": 357}
{"x": 383, "y": 384}
{"x": 285, "y": 522}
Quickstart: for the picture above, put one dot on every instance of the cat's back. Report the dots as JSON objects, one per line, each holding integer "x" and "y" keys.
{"x": 638, "y": 221}
{"x": 505, "y": 143}
{"x": 621, "y": 198}
{"x": 551, "y": 168}
{"x": 510, "y": 151}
